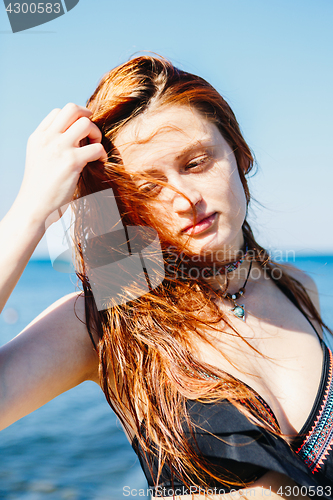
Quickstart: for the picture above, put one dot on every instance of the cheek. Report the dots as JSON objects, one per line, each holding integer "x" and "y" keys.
{"x": 161, "y": 218}
{"x": 230, "y": 192}
{"x": 237, "y": 192}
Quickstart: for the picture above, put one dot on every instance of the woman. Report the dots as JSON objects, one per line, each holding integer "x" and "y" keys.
{"x": 217, "y": 371}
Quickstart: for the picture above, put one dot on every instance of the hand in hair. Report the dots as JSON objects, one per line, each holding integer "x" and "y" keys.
{"x": 55, "y": 159}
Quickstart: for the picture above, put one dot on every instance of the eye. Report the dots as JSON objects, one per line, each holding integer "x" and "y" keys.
{"x": 198, "y": 164}
{"x": 150, "y": 188}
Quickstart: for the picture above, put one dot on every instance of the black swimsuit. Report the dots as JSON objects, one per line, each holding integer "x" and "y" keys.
{"x": 243, "y": 451}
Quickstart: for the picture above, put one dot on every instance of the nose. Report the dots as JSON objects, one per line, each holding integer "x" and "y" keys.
{"x": 182, "y": 205}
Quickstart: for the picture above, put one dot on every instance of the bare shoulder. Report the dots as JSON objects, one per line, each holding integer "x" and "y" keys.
{"x": 307, "y": 281}
{"x": 65, "y": 305}
{"x": 66, "y": 320}
{"x": 67, "y": 311}
{"x": 300, "y": 275}
{"x": 50, "y": 356}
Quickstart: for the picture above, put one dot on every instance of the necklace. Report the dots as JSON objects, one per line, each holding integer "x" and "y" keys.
{"x": 228, "y": 268}
{"x": 239, "y": 309}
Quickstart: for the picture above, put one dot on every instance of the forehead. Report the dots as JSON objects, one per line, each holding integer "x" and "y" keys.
{"x": 159, "y": 136}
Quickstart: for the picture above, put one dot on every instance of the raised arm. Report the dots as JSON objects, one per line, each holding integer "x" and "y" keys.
{"x": 54, "y": 352}
{"x": 54, "y": 163}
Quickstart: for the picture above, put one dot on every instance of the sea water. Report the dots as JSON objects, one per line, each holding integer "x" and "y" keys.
{"x": 74, "y": 448}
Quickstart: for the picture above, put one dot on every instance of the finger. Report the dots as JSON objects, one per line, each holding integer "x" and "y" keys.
{"x": 91, "y": 152}
{"x": 44, "y": 124}
{"x": 95, "y": 135}
{"x": 81, "y": 129}
{"x": 68, "y": 115}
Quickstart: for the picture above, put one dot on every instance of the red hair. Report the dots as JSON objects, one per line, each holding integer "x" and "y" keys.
{"x": 144, "y": 345}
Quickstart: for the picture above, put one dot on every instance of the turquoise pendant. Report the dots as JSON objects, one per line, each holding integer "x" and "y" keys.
{"x": 239, "y": 311}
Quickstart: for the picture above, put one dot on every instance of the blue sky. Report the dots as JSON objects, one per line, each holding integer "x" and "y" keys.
{"x": 272, "y": 60}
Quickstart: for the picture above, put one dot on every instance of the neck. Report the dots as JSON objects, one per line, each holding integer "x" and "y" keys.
{"x": 235, "y": 278}
{"x": 214, "y": 266}
{"x": 231, "y": 278}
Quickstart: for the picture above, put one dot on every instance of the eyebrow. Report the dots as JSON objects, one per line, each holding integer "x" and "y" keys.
{"x": 193, "y": 146}
{"x": 189, "y": 148}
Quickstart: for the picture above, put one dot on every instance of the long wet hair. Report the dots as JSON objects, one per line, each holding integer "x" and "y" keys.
{"x": 147, "y": 368}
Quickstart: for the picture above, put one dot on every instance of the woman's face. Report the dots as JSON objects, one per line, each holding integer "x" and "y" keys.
{"x": 177, "y": 145}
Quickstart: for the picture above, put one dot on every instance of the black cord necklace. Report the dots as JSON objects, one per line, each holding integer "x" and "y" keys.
{"x": 228, "y": 268}
{"x": 239, "y": 309}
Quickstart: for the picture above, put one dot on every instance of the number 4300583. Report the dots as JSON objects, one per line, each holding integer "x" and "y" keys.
{"x": 34, "y": 8}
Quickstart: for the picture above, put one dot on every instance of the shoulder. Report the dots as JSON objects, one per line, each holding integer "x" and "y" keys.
{"x": 50, "y": 356}
{"x": 66, "y": 315}
{"x": 63, "y": 324}
{"x": 300, "y": 275}
{"x": 305, "y": 280}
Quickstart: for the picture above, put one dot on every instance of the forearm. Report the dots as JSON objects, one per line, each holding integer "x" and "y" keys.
{"x": 20, "y": 232}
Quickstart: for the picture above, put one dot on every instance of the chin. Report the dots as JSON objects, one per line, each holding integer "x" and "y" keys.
{"x": 218, "y": 243}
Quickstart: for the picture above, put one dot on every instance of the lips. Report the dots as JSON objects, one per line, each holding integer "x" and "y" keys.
{"x": 204, "y": 222}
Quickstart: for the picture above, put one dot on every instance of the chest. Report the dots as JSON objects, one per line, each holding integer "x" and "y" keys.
{"x": 276, "y": 352}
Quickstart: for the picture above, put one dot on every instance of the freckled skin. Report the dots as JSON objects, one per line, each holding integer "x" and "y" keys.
{"x": 188, "y": 152}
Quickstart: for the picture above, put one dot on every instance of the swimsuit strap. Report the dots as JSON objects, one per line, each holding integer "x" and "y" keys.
{"x": 86, "y": 308}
